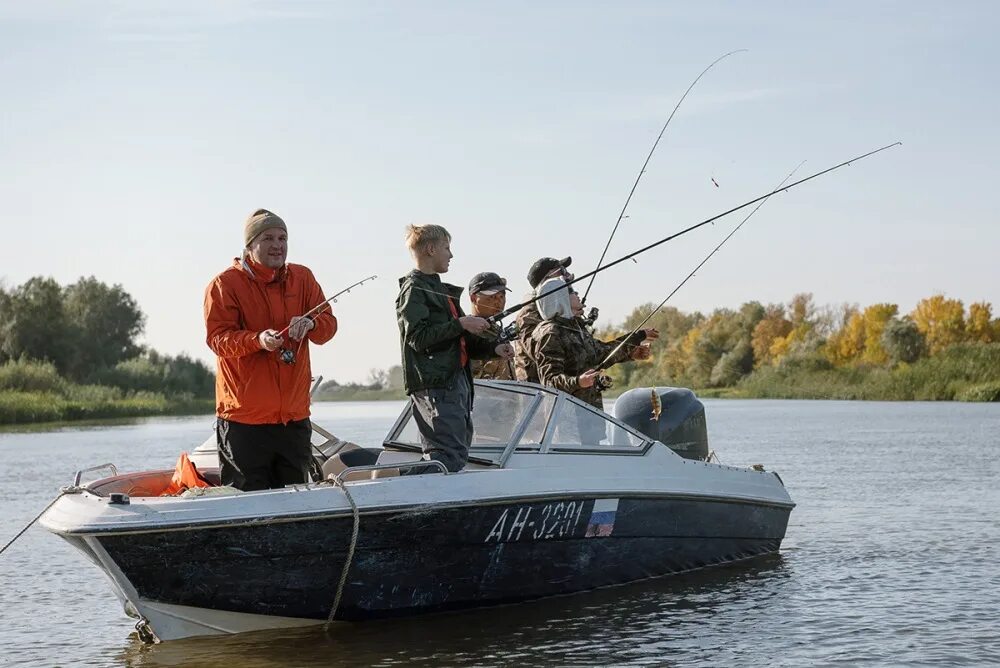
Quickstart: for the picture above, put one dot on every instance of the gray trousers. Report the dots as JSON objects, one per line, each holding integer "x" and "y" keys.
{"x": 444, "y": 420}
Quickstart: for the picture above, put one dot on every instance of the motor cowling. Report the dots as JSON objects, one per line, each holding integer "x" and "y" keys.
{"x": 681, "y": 425}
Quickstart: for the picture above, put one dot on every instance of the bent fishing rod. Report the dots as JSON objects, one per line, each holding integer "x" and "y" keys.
{"x": 642, "y": 170}
{"x": 604, "y": 363}
{"x": 315, "y": 310}
{"x": 517, "y": 307}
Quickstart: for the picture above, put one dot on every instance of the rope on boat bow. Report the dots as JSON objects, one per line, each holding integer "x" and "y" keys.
{"x": 350, "y": 553}
{"x": 62, "y": 492}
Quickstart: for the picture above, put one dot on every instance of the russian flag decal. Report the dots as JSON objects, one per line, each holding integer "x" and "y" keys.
{"x": 602, "y": 518}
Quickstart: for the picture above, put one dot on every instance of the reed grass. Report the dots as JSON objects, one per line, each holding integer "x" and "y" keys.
{"x": 32, "y": 392}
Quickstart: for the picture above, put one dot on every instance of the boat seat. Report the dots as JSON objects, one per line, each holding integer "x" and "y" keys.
{"x": 350, "y": 455}
{"x": 394, "y": 457}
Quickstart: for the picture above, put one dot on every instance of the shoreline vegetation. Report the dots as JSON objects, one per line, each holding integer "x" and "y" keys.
{"x": 69, "y": 354}
{"x": 33, "y": 392}
{"x": 940, "y": 351}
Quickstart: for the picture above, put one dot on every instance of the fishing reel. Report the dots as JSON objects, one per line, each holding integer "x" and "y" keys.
{"x": 591, "y": 316}
{"x": 604, "y": 382}
{"x": 286, "y": 355}
{"x": 508, "y": 333}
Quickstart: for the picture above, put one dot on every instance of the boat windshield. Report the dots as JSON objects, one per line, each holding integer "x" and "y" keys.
{"x": 497, "y": 417}
{"x": 509, "y": 416}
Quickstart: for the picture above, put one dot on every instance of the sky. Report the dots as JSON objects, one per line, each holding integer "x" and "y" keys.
{"x": 135, "y": 139}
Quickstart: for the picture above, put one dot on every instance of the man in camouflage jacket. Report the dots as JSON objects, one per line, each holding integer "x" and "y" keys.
{"x": 567, "y": 354}
{"x": 528, "y": 317}
{"x": 488, "y": 296}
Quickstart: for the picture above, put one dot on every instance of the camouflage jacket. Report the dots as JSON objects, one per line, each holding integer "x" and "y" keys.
{"x": 564, "y": 349}
{"x": 495, "y": 368}
{"x": 525, "y": 368}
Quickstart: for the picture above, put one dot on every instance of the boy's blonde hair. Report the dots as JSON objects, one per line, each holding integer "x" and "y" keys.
{"x": 419, "y": 237}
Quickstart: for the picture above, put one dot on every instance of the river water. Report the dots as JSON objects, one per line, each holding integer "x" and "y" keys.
{"x": 892, "y": 557}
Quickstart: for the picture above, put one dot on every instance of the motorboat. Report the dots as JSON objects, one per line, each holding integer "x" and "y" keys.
{"x": 557, "y": 497}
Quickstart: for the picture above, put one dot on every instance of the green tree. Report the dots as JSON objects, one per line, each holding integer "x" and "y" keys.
{"x": 733, "y": 365}
{"x": 106, "y": 321}
{"x": 33, "y": 323}
{"x": 903, "y": 341}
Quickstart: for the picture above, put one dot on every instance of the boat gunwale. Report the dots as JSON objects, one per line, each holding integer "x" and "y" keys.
{"x": 386, "y": 510}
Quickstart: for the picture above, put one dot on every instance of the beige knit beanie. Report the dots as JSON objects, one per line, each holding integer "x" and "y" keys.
{"x": 261, "y": 220}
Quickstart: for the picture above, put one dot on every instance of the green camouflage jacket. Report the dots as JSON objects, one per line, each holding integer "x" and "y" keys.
{"x": 525, "y": 368}
{"x": 564, "y": 349}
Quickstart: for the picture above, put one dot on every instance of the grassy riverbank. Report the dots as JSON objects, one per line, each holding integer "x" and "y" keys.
{"x": 965, "y": 372}
{"x": 32, "y": 392}
{"x": 32, "y": 407}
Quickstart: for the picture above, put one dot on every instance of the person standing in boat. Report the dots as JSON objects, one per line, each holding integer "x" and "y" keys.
{"x": 567, "y": 353}
{"x": 488, "y": 296}
{"x": 263, "y": 378}
{"x": 437, "y": 340}
{"x": 525, "y": 367}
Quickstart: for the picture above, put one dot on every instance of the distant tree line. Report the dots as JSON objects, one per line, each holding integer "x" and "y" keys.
{"x": 727, "y": 345}
{"x": 940, "y": 350}
{"x": 381, "y": 384}
{"x": 89, "y": 332}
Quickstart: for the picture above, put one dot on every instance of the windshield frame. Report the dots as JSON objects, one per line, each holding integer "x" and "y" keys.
{"x": 482, "y": 454}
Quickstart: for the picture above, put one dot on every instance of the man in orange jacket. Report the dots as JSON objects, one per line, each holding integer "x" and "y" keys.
{"x": 262, "y": 380}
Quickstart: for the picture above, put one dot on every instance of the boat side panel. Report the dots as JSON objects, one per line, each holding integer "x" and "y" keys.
{"x": 437, "y": 559}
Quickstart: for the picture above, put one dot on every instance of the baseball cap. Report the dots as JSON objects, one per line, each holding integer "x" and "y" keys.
{"x": 487, "y": 283}
{"x": 543, "y": 267}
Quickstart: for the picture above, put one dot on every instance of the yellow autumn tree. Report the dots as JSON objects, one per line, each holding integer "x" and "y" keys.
{"x": 941, "y": 321}
{"x": 980, "y": 325}
{"x": 847, "y": 344}
{"x": 875, "y": 318}
{"x": 801, "y": 310}
{"x": 773, "y": 326}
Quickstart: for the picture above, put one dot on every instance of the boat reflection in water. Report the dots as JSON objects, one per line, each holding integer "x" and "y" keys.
{"x": 557, "y": 498}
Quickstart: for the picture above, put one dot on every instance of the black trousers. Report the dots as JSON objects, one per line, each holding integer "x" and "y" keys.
{"x": 263, "y": 456}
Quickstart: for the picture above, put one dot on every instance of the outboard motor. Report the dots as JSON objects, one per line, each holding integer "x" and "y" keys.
{"x": 680, "y": 426}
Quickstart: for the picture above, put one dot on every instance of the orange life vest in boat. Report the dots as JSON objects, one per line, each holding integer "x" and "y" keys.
{"x": 185, "y": 477}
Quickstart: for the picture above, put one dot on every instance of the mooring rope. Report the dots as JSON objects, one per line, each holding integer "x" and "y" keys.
{"x": 350, "y": 552}
{"x": 62, "y": 493}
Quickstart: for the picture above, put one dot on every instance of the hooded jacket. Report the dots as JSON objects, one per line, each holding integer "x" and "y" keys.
{"x": 252, "y": 385}
{"x": 563, "y": 347}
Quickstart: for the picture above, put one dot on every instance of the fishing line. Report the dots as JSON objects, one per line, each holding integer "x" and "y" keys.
{"x": 689, "y": 276}
{"x": 642, "y": 171}
{"x": 518, "y": 307}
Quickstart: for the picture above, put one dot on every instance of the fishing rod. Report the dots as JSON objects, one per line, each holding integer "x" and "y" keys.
{"x": 287, "y": 355}
{"x": 315, "y": 310}
{"x": 646, "y": 163}
{"x": 517, "y": 307}
{"x": 604, "y": 363}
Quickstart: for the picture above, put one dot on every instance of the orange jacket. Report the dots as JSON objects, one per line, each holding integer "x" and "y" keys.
{"x": 252, "y": 385}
